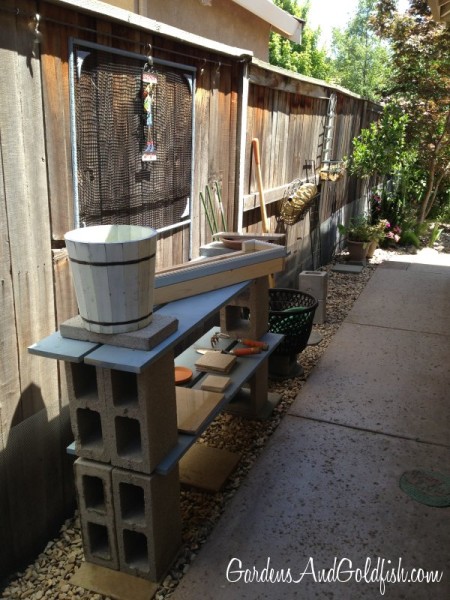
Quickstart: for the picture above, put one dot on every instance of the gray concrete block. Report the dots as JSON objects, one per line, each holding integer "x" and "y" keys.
{"x": 143, "y": 339}
{"x": 254, "y": 301}
{"x": 320, "y": 315}
{"x": 148, "y": 521}
{"x": 95, "y": 502}
{"x": 141, "y": 415}
{"x": 314, "y": 283}
{"x": 87, "y": 411}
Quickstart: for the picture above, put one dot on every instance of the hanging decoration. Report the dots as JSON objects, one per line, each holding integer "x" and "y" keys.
{"x": 296, "y": 201}
{"x": 332, "y": 170}
{"x": 149, "y": 82}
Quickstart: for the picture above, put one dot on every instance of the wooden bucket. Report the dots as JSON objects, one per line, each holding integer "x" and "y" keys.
{"x": 113, "y": 271}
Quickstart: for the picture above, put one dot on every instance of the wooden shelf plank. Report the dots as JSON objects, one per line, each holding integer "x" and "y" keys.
{"x": 190, "y": 312}
{"x": 185, "y": 441}
{"x": 244, "y": 369}
{"x": 55, "y": 346}
{"x": 194, "y": 408}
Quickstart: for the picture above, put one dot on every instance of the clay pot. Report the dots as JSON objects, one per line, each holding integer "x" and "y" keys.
{"x": 357, "y": 250}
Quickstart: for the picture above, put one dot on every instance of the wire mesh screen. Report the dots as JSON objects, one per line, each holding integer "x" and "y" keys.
{"x": 115, "y": 183}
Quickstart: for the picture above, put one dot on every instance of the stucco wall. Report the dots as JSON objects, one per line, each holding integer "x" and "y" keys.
{"x": 222, "y": 21}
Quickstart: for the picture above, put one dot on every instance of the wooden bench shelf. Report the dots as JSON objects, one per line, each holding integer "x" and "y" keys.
{"x": 136, "y": 400}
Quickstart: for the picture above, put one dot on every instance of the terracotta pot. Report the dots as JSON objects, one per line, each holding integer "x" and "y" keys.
{"x": 371, "y": 249}
{"x": 357, "y": 250}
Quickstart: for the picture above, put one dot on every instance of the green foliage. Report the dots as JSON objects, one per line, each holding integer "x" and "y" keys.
{"x": 435, "y": 234}
{"x": 419, "y": 84}
{"x": 410, "y": 237}
{"x": 362, "y": 229}
{"x": 382, "y": 149}
{"x": 357, "y": 230}
{"x": 306, "y": 58}
{"x": 360, "y": 62}
{"x": 213, "y": 208}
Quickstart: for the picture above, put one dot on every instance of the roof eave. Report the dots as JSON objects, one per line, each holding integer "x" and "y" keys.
{"x": 289, "y": 26}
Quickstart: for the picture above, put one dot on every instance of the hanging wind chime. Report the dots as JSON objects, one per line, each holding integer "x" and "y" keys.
{"x": 149, "y": 82}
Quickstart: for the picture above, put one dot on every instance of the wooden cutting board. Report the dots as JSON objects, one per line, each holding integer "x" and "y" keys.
{"x": 215, "y": 383}
{"x": 216, "y": 362}
{"x": 194, "y": 408}
{"x": 207, "y": 468}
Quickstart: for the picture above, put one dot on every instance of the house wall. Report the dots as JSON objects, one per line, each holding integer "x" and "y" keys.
{"x": 286, "y": 112}
{"x": 223, "y": 21}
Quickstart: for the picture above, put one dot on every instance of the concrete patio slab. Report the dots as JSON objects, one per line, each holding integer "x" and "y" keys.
{"x": 325, "y": 490}
{"x": 416, "y": 298}
{"x": 388, "y": 380}
{"x": 321, "y": 492}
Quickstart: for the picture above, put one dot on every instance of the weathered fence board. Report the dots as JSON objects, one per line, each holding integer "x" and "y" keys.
{"x": 55, "y": 83}
{"x": 28, "y": 474}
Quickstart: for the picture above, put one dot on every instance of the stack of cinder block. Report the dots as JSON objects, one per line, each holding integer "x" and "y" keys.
{"x": 315, "y": 283}
{"x": 124, "y": 425}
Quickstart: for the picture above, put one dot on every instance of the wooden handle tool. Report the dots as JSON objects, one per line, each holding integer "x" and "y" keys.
{"x": 264, "y": 219}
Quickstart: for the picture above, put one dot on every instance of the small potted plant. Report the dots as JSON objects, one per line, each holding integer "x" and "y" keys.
{"x": 359, "y": 233}
{"x": 378, "y": 232}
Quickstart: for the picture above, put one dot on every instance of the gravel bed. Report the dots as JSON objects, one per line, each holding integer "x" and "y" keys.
{"x": 48, "y": 576}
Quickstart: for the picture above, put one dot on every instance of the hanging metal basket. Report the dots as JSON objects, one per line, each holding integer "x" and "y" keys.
{"x": 296, "y": 201}
{"x": 332, "y": 170}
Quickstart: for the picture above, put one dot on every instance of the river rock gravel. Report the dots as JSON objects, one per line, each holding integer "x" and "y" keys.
{"x": 48, "y": 576}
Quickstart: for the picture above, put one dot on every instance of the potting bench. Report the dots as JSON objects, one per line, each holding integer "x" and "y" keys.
{"x": 124, "y": 418}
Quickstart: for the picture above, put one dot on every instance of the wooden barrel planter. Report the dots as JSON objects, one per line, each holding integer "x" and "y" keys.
{"x": 113, "y": 271}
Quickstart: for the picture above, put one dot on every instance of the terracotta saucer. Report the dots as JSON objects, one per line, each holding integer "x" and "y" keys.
{"x": 182, "y": 375}
{"x": 231, "y": 242}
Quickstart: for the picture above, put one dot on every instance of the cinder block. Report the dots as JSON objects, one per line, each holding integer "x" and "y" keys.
{"x": 314, "y": 283}
{"x": 141, "y": 415}
{"x": 248, "y": 314}
{"x": 148, "y": 521}
{"x": 320, "y": 316}
{"x": 87, "y": 411}
{"x": 95, "y": 502}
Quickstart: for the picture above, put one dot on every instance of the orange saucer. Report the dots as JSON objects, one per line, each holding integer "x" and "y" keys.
{"x": 182, "y": 375}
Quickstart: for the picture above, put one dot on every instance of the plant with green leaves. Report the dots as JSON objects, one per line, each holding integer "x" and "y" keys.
{"x": 384, "y": 153}
{"x": 382, "y": 150}
{"x": 361, "y": 229}
{"x": 306, "y": 58}
{"x": 359, "y": 60}
{"x": 420, "y": 85}
{"x": 213, "y": 206}
{"x": 358, "y": 229}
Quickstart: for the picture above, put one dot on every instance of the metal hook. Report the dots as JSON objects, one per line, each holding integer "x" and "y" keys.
{"x": 218, "y": 68}
{"x": 37, "y": 34}
{"x": 202, "y": 67}
{"x": 149, "y": 56}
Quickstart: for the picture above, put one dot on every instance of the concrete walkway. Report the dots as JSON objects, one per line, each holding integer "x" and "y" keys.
{"x": 326, "y": 488}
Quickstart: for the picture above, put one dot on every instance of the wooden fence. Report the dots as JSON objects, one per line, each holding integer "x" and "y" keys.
{"x": 235, "y": 100}
{"x": 288, "y": 114}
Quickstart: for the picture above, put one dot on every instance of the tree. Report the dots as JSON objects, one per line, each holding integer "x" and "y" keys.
{"x": 306, "y": 58}
{"x": 360, "y": 61}
{"x": 382, "y": 151}
{"x": 420, "y": 87}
